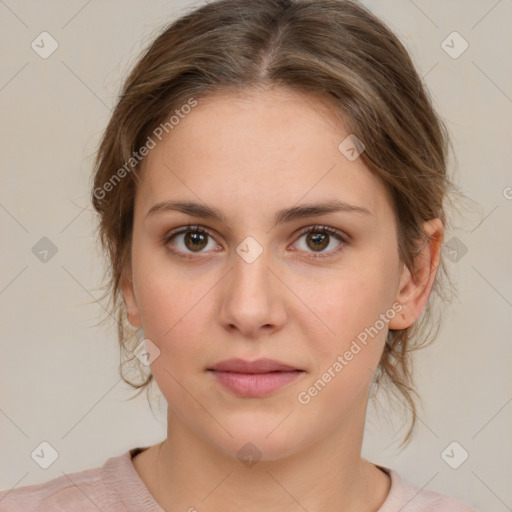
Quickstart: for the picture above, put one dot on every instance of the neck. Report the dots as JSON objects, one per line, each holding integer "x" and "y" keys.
{"x": 191, "y": 473}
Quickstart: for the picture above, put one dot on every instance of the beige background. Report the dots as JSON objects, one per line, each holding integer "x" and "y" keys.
{"x": 58, "y": 373}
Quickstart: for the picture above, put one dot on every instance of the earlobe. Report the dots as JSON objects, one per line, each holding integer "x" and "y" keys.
{"x": 415, "y": 286}
{"x": 126, "y": 285}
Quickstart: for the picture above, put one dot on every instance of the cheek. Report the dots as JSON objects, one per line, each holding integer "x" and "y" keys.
{"x": 344, "y": 361}
{"x": 345, "y": 304}
{"x": 170, "y": 307}
{"x": 172, "y": 313}
{"x": 166, "y": 296}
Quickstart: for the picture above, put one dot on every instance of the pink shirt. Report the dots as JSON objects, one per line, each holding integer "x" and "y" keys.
{"x": 117, "y": 487}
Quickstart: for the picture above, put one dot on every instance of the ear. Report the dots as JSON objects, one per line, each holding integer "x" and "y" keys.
{"x": 126, "y": 284}
{"x": 415, "y": 287}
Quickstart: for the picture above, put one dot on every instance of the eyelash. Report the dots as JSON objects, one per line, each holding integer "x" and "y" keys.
{"x": 311, "y": 229}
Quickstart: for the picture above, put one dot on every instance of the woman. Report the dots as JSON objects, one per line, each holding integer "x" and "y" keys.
{"x": 270, "y": 190}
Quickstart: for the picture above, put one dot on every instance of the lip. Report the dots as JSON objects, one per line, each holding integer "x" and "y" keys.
{"x": 257, "y": 366}
{"x": 254, "y": 378}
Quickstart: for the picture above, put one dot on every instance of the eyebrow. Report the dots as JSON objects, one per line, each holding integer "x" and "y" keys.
{"x": 286, "y": 215}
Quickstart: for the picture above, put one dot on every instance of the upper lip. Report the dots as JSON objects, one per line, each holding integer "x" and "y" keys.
{"x": 257, "y": 366}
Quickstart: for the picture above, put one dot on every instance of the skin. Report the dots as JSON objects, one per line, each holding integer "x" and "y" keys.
{"x": 250, "y": 155}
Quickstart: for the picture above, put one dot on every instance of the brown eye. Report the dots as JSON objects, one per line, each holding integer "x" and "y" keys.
{"x": 193, "y": 239}
{"x": 318, "y": 238}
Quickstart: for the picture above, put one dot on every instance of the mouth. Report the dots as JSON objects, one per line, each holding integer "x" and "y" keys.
{"x": 254, "y": 379}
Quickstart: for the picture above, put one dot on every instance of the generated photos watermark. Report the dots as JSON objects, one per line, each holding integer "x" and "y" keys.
{"x": 137, "y": 156}
{"x": 305, "y": 397}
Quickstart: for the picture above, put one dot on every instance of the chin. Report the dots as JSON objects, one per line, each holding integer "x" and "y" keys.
{"x": 264, "y": 439}
{"x": 253, "y": 449}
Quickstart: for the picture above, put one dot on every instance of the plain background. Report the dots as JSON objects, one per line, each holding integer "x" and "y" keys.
{"x": 59, "y": 376}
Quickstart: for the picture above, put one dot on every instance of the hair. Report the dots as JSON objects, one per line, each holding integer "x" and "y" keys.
{"x": 336, "y": 50}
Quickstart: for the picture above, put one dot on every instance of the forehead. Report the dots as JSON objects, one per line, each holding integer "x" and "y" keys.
{"x": 255, "y": 150}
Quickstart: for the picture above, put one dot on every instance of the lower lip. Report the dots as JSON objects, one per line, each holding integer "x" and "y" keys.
{"x": 255, "y": 384}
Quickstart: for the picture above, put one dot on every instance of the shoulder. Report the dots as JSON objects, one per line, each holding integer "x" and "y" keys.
{"x": 407, "y": 497}
{"x": 78, "y": 489}
{"x": 84, "y": 490}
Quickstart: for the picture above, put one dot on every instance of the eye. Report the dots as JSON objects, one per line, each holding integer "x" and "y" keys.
{"x": 190, "y": 240}
{"x": 319, "y": 238}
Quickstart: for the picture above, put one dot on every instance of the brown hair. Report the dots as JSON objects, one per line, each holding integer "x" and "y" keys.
{"x": 333, "y": 49}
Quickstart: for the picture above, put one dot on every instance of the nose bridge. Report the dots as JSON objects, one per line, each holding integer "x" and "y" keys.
{"x": 250, "y": 300}
{"x": 250, "y": 278}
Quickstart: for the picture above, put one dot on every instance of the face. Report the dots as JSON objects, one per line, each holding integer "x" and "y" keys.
{"x": 247, "y": 287}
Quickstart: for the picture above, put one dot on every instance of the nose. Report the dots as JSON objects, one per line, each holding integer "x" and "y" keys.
{"x": 252, "y": 298}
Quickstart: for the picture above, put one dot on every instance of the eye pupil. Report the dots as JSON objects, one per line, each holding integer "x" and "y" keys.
{"x": 319, "y": 240}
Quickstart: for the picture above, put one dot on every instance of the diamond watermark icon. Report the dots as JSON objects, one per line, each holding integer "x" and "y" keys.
{"x": 351, "y": 147}
{"x": 454, "y": 249}
{"x": 44, "y": 45}
{"x": 44, "y": 455}
{"x": 249, "y": 249}
{"x": 44, "y": 250}
{"x": 454, "y": 455}
{"x": 146, "y": 352}
{"x": 249, "y": 454}
{"x": 454, "y": 45}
